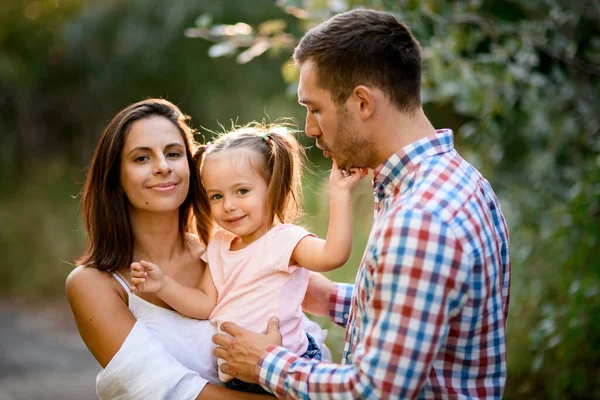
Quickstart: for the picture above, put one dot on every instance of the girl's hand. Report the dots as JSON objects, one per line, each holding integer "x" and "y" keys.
{"x": 146, "y": 277}
{"x": 345, "y": 180}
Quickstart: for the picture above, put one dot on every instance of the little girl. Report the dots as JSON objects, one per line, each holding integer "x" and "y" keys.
{"x": 252, "y": 179}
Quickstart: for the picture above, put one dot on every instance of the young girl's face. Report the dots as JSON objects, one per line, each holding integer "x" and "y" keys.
{"x": 237, "y": 193}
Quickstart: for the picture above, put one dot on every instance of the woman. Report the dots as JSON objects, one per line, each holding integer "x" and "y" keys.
{"x": 139, "y": 198}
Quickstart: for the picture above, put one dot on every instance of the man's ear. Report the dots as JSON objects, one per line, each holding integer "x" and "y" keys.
{"x": 365, "y": 100}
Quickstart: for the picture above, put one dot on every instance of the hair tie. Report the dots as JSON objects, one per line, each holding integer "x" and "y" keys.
{"x": 207, "y": 146}
{"x": 267, "y": 137}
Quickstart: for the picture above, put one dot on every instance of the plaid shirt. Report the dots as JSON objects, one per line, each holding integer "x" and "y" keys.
{"x": 426, "y": 317}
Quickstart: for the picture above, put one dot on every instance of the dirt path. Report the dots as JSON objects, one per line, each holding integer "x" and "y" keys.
{"x": 41, "y": 354}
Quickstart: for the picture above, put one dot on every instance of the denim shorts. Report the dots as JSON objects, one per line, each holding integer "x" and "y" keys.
{"x": 313, "y": 352}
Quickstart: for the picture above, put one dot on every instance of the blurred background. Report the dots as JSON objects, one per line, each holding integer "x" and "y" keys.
{"x": 518, "y": 82}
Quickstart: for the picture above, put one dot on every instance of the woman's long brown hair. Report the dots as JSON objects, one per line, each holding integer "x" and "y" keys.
{"x": 105, "y": 206}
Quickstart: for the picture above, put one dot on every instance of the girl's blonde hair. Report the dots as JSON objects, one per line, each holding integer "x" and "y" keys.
{"x": 282, "y": 160}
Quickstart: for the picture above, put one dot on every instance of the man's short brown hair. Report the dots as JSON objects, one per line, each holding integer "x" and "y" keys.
{"x": 365, "y": 47}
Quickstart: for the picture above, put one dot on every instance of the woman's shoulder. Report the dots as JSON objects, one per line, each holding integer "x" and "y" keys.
{"x": 88, "y": 282}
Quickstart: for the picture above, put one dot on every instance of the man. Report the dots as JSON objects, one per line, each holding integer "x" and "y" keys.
{"x": 426, "y": 317}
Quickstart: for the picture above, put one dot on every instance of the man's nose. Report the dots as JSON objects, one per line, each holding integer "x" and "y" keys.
{"x": 311, "y": 128}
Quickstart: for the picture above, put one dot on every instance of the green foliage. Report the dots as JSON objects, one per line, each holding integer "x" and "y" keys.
{"x": 519, "y": 83}
{"x": 41, "y": 234}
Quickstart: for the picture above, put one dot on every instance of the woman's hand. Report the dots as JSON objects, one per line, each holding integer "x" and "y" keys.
{"x": 146, "y": 277}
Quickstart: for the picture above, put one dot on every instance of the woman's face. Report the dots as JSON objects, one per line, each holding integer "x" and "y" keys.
{"x": 154, "y": 169}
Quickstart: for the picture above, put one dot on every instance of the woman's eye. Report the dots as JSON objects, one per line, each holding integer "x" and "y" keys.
{"x": 141, "y": 158}
{"x": 174, "y": 155}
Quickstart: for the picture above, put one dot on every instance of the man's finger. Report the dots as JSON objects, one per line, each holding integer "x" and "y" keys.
{"x": 221, "y": 340}
{"x": 226, "y": 369}
{"x": 231, "y": 328}
{"x": 220, "y": 352}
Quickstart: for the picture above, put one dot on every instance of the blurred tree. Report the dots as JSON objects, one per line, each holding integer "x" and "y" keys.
{"x": 519, "y": 83}
{"x": 68, "y": 66}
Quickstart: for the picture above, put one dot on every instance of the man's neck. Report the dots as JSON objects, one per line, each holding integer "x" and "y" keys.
{"x": 156, "y": 237}
{"x": 396, "y": 130}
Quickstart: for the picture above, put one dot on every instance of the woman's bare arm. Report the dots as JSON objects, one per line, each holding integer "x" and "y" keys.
{"x": 211, "y": 392}
{"x": 101, "y": 313}
{"x": 104, "y": 328}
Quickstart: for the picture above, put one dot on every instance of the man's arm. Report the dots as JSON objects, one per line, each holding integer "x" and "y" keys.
{"x": 416, "y": 283}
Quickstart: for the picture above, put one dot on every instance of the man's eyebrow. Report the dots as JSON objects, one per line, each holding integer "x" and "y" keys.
{"x": 304, "y": 102}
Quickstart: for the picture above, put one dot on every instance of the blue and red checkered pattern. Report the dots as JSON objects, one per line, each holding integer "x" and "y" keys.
{"x": 426, "y": 317}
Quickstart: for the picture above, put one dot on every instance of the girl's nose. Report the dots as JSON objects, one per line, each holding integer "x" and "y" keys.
{"x": 229, "y": 204}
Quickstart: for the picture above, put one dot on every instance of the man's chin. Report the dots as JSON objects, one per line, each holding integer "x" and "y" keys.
{"x": 326, "y": 154}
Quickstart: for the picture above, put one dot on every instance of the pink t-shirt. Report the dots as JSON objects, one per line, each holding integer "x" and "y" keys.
{"x": 257, "y": 282}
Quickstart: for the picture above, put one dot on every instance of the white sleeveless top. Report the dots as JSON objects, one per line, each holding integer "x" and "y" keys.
{"x": 187, "y": 339}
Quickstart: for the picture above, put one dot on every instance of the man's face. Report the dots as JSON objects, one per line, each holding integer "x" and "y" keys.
{"x": 335, "y": 129}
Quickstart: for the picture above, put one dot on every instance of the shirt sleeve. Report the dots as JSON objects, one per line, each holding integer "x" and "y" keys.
{"x": 417, "y": 281}
{"x": 282, "y": 241}
{"x": 339, "y": 303}
{"x": 212, "y": 257}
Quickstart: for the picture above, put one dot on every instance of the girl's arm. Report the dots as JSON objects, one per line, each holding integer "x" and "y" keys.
{"x": 194, "y": 302}
{"x": 325, "y": 255}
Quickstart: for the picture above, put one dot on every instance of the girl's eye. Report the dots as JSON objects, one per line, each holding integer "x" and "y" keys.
{"x": 243, "y": 191}
{"x": 216, "y": 197}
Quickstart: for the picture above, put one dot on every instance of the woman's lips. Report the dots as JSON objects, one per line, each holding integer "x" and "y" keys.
{"x": 164, "y": 187}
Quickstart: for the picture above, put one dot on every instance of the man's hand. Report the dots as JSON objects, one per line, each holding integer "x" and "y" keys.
{"x": 243, "y": 350}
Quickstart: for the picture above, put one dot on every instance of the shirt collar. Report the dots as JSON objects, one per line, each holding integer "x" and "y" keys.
{"x": 395, "y": 168}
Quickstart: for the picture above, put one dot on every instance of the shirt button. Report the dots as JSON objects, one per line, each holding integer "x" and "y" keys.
{"x": 349, "y": 357}
{"x": 346, "y": 315}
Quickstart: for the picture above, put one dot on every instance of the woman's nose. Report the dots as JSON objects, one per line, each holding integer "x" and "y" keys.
{"x": 162, "y": 166}
{"x": 311, "y": 128}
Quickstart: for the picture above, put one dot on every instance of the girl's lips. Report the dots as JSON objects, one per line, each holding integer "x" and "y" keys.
{"x": 235, "y": 220}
